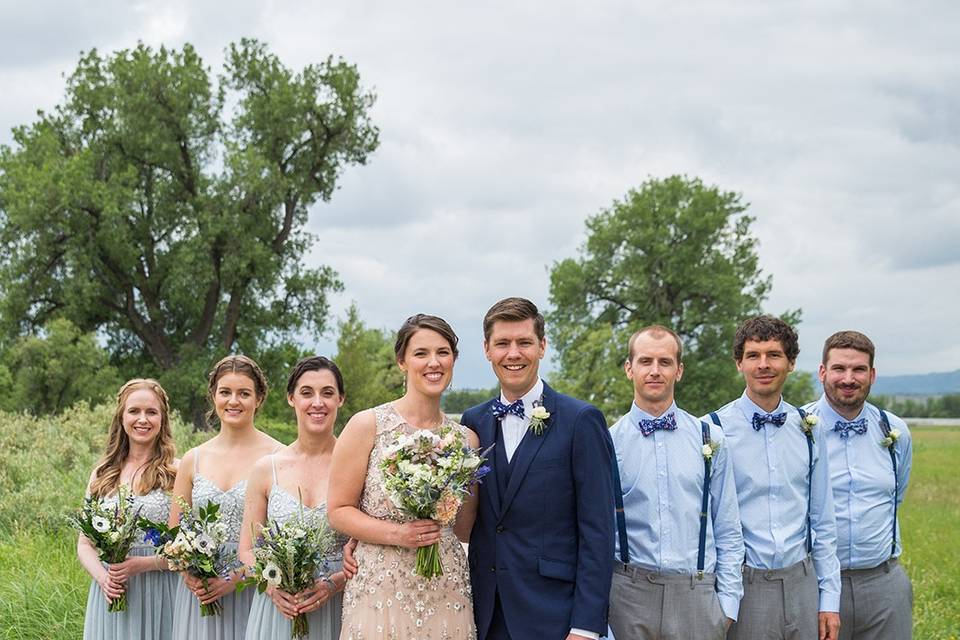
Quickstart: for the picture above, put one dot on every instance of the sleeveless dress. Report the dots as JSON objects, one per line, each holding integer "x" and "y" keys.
{"x": 387, "y": 599}
{"x": 149, "y": 594}
{"x": 266, "y": 621}
{"x": 231, "y": 624}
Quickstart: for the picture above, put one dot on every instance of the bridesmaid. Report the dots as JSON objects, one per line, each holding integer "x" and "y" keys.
{"x": 216, "y": 471}
{"x": 315, "y": 391}
{"x": 140, "y": 455}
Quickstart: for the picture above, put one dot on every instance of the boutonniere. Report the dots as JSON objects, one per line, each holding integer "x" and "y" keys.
{"x": 709, "y": 449}
{"x": 538, "y": 419}
{"x": 887, "y": 442}
{"x": 808, "y": 423}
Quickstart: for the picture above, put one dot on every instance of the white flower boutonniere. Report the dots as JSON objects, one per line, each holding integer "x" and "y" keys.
{"x": 709, "y": 449}
{"x": 808, "y": 423}
{"x": 887, "y": 442}
{"x": 538, "y": 420}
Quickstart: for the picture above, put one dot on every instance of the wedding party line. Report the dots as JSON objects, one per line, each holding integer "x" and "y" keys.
{"x": 530, "y": 518}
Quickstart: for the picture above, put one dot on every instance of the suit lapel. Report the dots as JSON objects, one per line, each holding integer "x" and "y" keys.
{"x": 487, "y": 432}
{"x": 528, "y": 448}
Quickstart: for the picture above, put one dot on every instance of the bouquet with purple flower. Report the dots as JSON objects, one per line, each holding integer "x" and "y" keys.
{"x": 291, "y": 556}
{"x": 111, "y": 528}
{"x": 196, "y": 546}
{"x": 427, "y": 475}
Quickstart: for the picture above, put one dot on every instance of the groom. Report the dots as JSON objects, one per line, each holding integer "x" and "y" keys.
{"x": 542, "y": 546}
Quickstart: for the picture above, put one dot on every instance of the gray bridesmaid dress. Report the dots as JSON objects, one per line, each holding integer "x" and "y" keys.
{"x": 149, "y": 613}
{"x": 231, "y": 624}
{"x": 266, "y": 621}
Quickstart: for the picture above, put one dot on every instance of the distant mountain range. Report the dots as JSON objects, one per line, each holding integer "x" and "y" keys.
{"x": 926, "y": 384}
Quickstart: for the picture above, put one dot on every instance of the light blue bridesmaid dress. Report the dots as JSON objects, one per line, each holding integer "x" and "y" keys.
{"x": 266, "y": 621}
{"x": 149, "y": 613}
{"x": 231, "y": 624}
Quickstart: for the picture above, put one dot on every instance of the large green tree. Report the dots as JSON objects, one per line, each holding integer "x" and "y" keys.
{"x": 166, "y": 208}
{"x": 674, "y": 252}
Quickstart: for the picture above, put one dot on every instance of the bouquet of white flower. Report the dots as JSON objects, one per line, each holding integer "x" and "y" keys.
{"x": 196, "y": 546}
{"x": 111, "y": 528}
{"x": 427, "y": 475}
{"x": 290, "y": 557}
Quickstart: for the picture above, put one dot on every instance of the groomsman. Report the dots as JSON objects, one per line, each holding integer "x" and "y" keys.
{"x": 541, "y": 550}
{"x": 870, "y": 453}
{"x": 679, "y": 546}
{"x": 786, "y": 506}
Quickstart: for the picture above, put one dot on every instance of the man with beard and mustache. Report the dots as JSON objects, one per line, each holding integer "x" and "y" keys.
{"x": 870, "y": 455}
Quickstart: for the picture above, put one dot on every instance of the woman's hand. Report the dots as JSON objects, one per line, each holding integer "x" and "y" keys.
{"x": 322, "y": 590}
{"x": 286, "y": 603}
{"x": 130, "y": 567}
{"x": 416, "y": 534}
{"x": 350, "y": 564}
{"x": 111, "y": 590}
{"x": 214, "y": 589}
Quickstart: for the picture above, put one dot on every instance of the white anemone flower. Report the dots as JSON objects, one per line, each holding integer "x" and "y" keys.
{"x": 271, "y": 573}
{"x": 204, "y": 544}
{"x": 100, "y": 523}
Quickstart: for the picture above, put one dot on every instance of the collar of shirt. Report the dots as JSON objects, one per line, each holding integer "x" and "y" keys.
{"x": 830, "y": 417}
{"x": 514, "y": 428}
{"x": 528, "y": 399}
{"x": 749, "y": 407}
{"x": 637, "y": 414}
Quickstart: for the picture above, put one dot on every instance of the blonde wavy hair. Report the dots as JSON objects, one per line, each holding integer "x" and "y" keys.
{"x": 158, "y": 472}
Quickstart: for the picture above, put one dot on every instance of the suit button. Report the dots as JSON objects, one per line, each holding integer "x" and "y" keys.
{"x": 500, "y": 529}
{"x": 492, "y": 568}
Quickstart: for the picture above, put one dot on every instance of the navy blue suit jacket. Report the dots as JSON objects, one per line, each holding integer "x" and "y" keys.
{"x": 547, "y": 544}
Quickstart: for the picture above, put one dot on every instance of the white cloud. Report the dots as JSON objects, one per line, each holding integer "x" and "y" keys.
{"x": 505, "y": 124}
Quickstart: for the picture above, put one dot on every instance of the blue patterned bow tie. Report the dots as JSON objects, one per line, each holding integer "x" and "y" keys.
{"x": 844, "y": 428}
{"x": 776, "y": 419}
{"x": 667, "y": 423}
{"x": 500, "y": 409}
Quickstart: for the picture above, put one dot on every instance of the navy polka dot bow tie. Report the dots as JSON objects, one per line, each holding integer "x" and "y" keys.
{"x": 844, "y": 428}
{"x": 776, "y": 419}
{"x": 666, "y": 423}
{"x": 500, "y": 409}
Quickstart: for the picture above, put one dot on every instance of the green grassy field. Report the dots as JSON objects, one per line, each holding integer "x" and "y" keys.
{"x": 44, "y": 464}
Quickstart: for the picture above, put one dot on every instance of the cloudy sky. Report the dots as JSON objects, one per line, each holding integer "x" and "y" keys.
{"x": 505, "y": 124}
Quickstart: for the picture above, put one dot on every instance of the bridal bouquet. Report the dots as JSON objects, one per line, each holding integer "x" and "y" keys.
{"x": 196, "y": 546}
{"x": 427, "y": 475}
{"x": 111, "y": 528}
{"x": 289, "y": 557}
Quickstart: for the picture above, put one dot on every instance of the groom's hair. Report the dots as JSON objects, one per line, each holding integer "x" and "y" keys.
{"x": 513, "y": 310}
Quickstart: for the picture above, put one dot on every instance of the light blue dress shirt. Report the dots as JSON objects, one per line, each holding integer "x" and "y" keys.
{"x": 770, "y": 471}
{"x": 861, "y": 475}
{"x": 661, "y": 476}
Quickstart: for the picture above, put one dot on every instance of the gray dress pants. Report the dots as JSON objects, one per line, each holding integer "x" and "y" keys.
{"x": 645, "y": 605}
{"x": 778, "y": 604}
{"x": 876, "y": 604}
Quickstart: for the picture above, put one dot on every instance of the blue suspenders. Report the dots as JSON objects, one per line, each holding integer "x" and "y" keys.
{"x": 621, "y": 518}
{"x": 809, "y": 435}
{"x": 885, "y": 428}
{"x": 622, "y": 521}
{"x": 701, "y": 549}
{"x": 803, "y": 415}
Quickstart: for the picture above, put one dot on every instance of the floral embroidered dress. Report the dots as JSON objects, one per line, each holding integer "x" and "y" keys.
{"x": 386, "y": 599}
{"x": 149, "y": 595}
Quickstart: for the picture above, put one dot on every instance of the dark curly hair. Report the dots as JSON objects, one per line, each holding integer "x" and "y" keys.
{"x": 763, "y": 328}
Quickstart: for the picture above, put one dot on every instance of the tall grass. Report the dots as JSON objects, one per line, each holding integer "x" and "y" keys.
{"x": 45, "y": 463}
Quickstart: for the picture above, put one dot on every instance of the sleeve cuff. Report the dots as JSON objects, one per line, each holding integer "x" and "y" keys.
{"x": 730, "y": 607}
{"x": 830, "y": 602}
{"x": 586, "y": 634}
